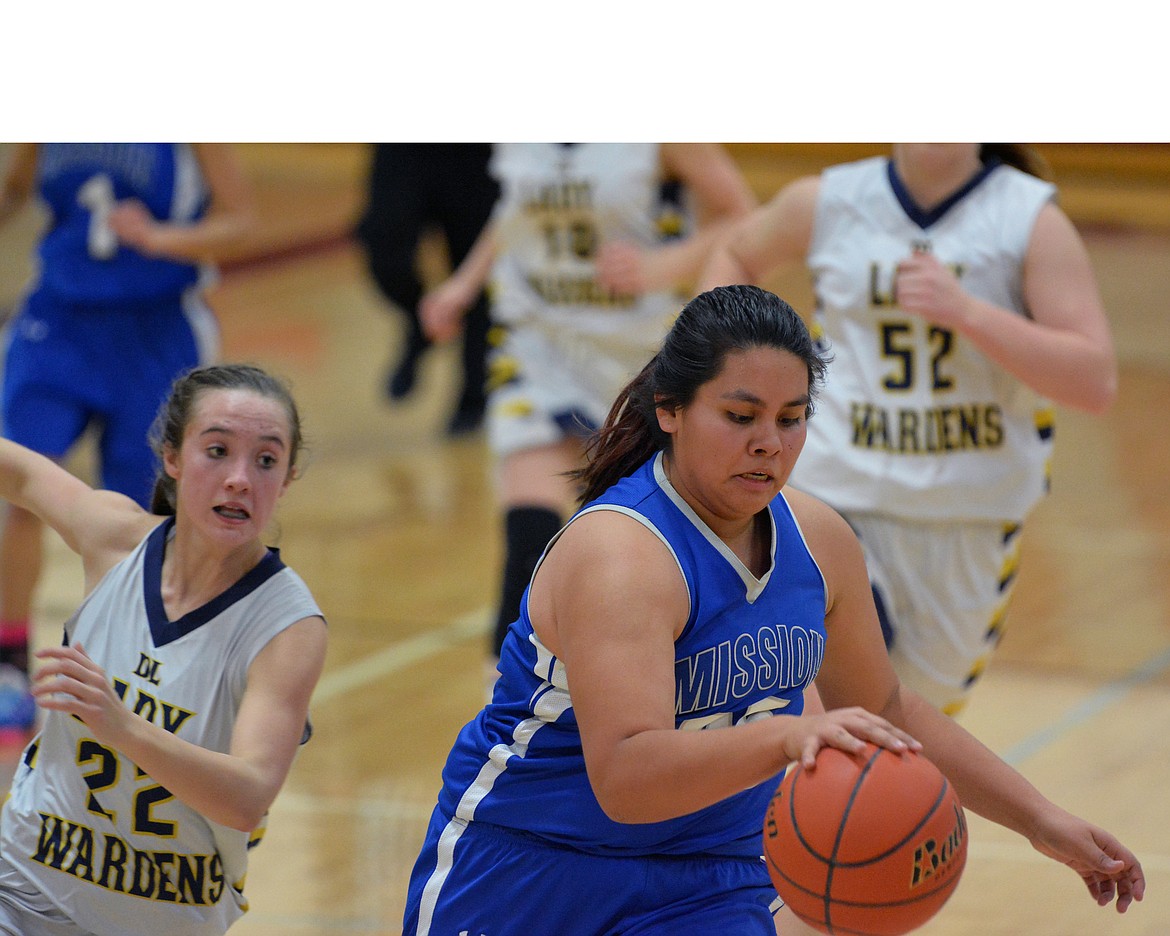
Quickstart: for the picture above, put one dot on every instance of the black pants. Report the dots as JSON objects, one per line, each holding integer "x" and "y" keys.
{"x": 414, "y": 187}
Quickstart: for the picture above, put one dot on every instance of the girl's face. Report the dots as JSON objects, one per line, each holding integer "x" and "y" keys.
{"x": 734, "y": 446}
{"x": 233, "y": 465}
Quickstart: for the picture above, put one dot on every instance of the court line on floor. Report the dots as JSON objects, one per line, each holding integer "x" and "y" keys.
{"x": 422, "y": 646}
{"x": 1092, "y": 706}
{"x": 400, "y": 655}
{"x": 316, "y": 923}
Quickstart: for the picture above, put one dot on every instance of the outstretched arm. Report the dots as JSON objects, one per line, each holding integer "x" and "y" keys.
{"x": 992, "y": 788}
{"x": 101, "y": 526}
{"x": 986, "y": 784}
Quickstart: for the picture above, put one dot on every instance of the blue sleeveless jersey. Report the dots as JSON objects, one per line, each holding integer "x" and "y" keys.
{"x": 749, "y": 649}
{"x": 80, "y": 261}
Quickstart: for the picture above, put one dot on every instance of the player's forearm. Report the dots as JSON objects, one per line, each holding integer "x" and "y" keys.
{"x": 666, "y": 773}
{"x": 18, "y": 467}
{"x": 723, "y": 268}
{"x": 473, "y": 273}
{"x": 986, "y": 784}
{"x": 225, "y": 788}
{"x": 1064, "y": 366}
{"x": 204, "y": 241}
{"x": 683, "y": 262}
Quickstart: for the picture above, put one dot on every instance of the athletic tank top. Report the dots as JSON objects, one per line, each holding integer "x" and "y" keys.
{"x": 80, "y": 259}
{"x": 913, "y": 420}
{"x": 109, "y": 846}
{"x": 748, "y": 650}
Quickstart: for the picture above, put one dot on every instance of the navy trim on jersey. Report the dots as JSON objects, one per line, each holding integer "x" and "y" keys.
{"x": 922, "y": 217}
{"x": 163, "y": 630}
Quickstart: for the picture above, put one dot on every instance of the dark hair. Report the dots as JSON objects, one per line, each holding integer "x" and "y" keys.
{"x": 710, "y": 326}
{"x": 170, "y": 424}
{"x": 1020, "y": 155}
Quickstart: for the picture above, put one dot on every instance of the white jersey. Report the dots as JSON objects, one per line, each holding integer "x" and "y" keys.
{"x": 558, "y": 204}
{"x": 913, "y": 420}
{"x": 112, "y": 849}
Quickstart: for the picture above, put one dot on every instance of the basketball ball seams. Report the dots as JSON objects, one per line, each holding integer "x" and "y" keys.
{"x": 849, "y": 803}
{"x": 869, "y": 845}
{"x": 901, "y": 843}
{"x": 834, "y": 857}
{"x": 795, "y": 821}
{"x": 832, "y": 929}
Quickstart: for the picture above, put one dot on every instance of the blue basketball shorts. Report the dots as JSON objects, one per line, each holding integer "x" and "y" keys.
{"x": 68, "y": 368}
{"x": 475, "y": 879}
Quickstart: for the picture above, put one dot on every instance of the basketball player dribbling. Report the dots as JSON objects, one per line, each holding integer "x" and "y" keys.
{"x": 651, "y": 695}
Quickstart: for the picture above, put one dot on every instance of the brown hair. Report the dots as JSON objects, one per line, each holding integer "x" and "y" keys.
{"x": 710, "y": 326}
{"x": 1022, "y": 156}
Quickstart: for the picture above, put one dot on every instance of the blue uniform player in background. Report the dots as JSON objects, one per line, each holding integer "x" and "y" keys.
{"x": 114, "y": 313}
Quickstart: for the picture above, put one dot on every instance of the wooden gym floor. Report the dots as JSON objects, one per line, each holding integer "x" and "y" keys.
{"x": 394, "y": 528}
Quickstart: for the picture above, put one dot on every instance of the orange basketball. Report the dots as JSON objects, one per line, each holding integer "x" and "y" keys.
{"x": 871, "y": 844}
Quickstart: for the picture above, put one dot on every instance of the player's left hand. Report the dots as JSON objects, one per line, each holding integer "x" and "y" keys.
{"x": 1108, "y": 868}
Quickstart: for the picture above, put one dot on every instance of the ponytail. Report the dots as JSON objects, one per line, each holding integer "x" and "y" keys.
{"x": 162, "y": 496}
{"x": 629, "y": 436}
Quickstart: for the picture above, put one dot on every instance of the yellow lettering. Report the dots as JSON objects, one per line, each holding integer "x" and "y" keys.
{"x": 935, "y": 430}
{"x": 163, "y": 876}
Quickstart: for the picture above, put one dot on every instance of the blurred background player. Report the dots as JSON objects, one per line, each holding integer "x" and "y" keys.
{"x": 959, "y": 304}
{"x": 114, "y": 314}
{"x": 415, "y": 189}
{"x": 583, "y": 287}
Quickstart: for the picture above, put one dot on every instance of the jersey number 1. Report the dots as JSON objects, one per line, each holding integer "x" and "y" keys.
{"x": 97, "y": 194}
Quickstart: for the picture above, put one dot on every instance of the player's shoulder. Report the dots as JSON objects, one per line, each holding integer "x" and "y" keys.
{"x": 119, "y": 522}
{"x": 612, "y": 541}
{"x": 857, "y": 169}
{"x": 804, "y": 503}
{"x": 610, "y": 528}
{"x": 117, "y": 527}
{"x": 802, "y": 191}
{"x": 1009, "y": 177}
{"x": 608, "y": 551}
{"x": 849, "y": 182}
{"x": 823, "y": 528}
